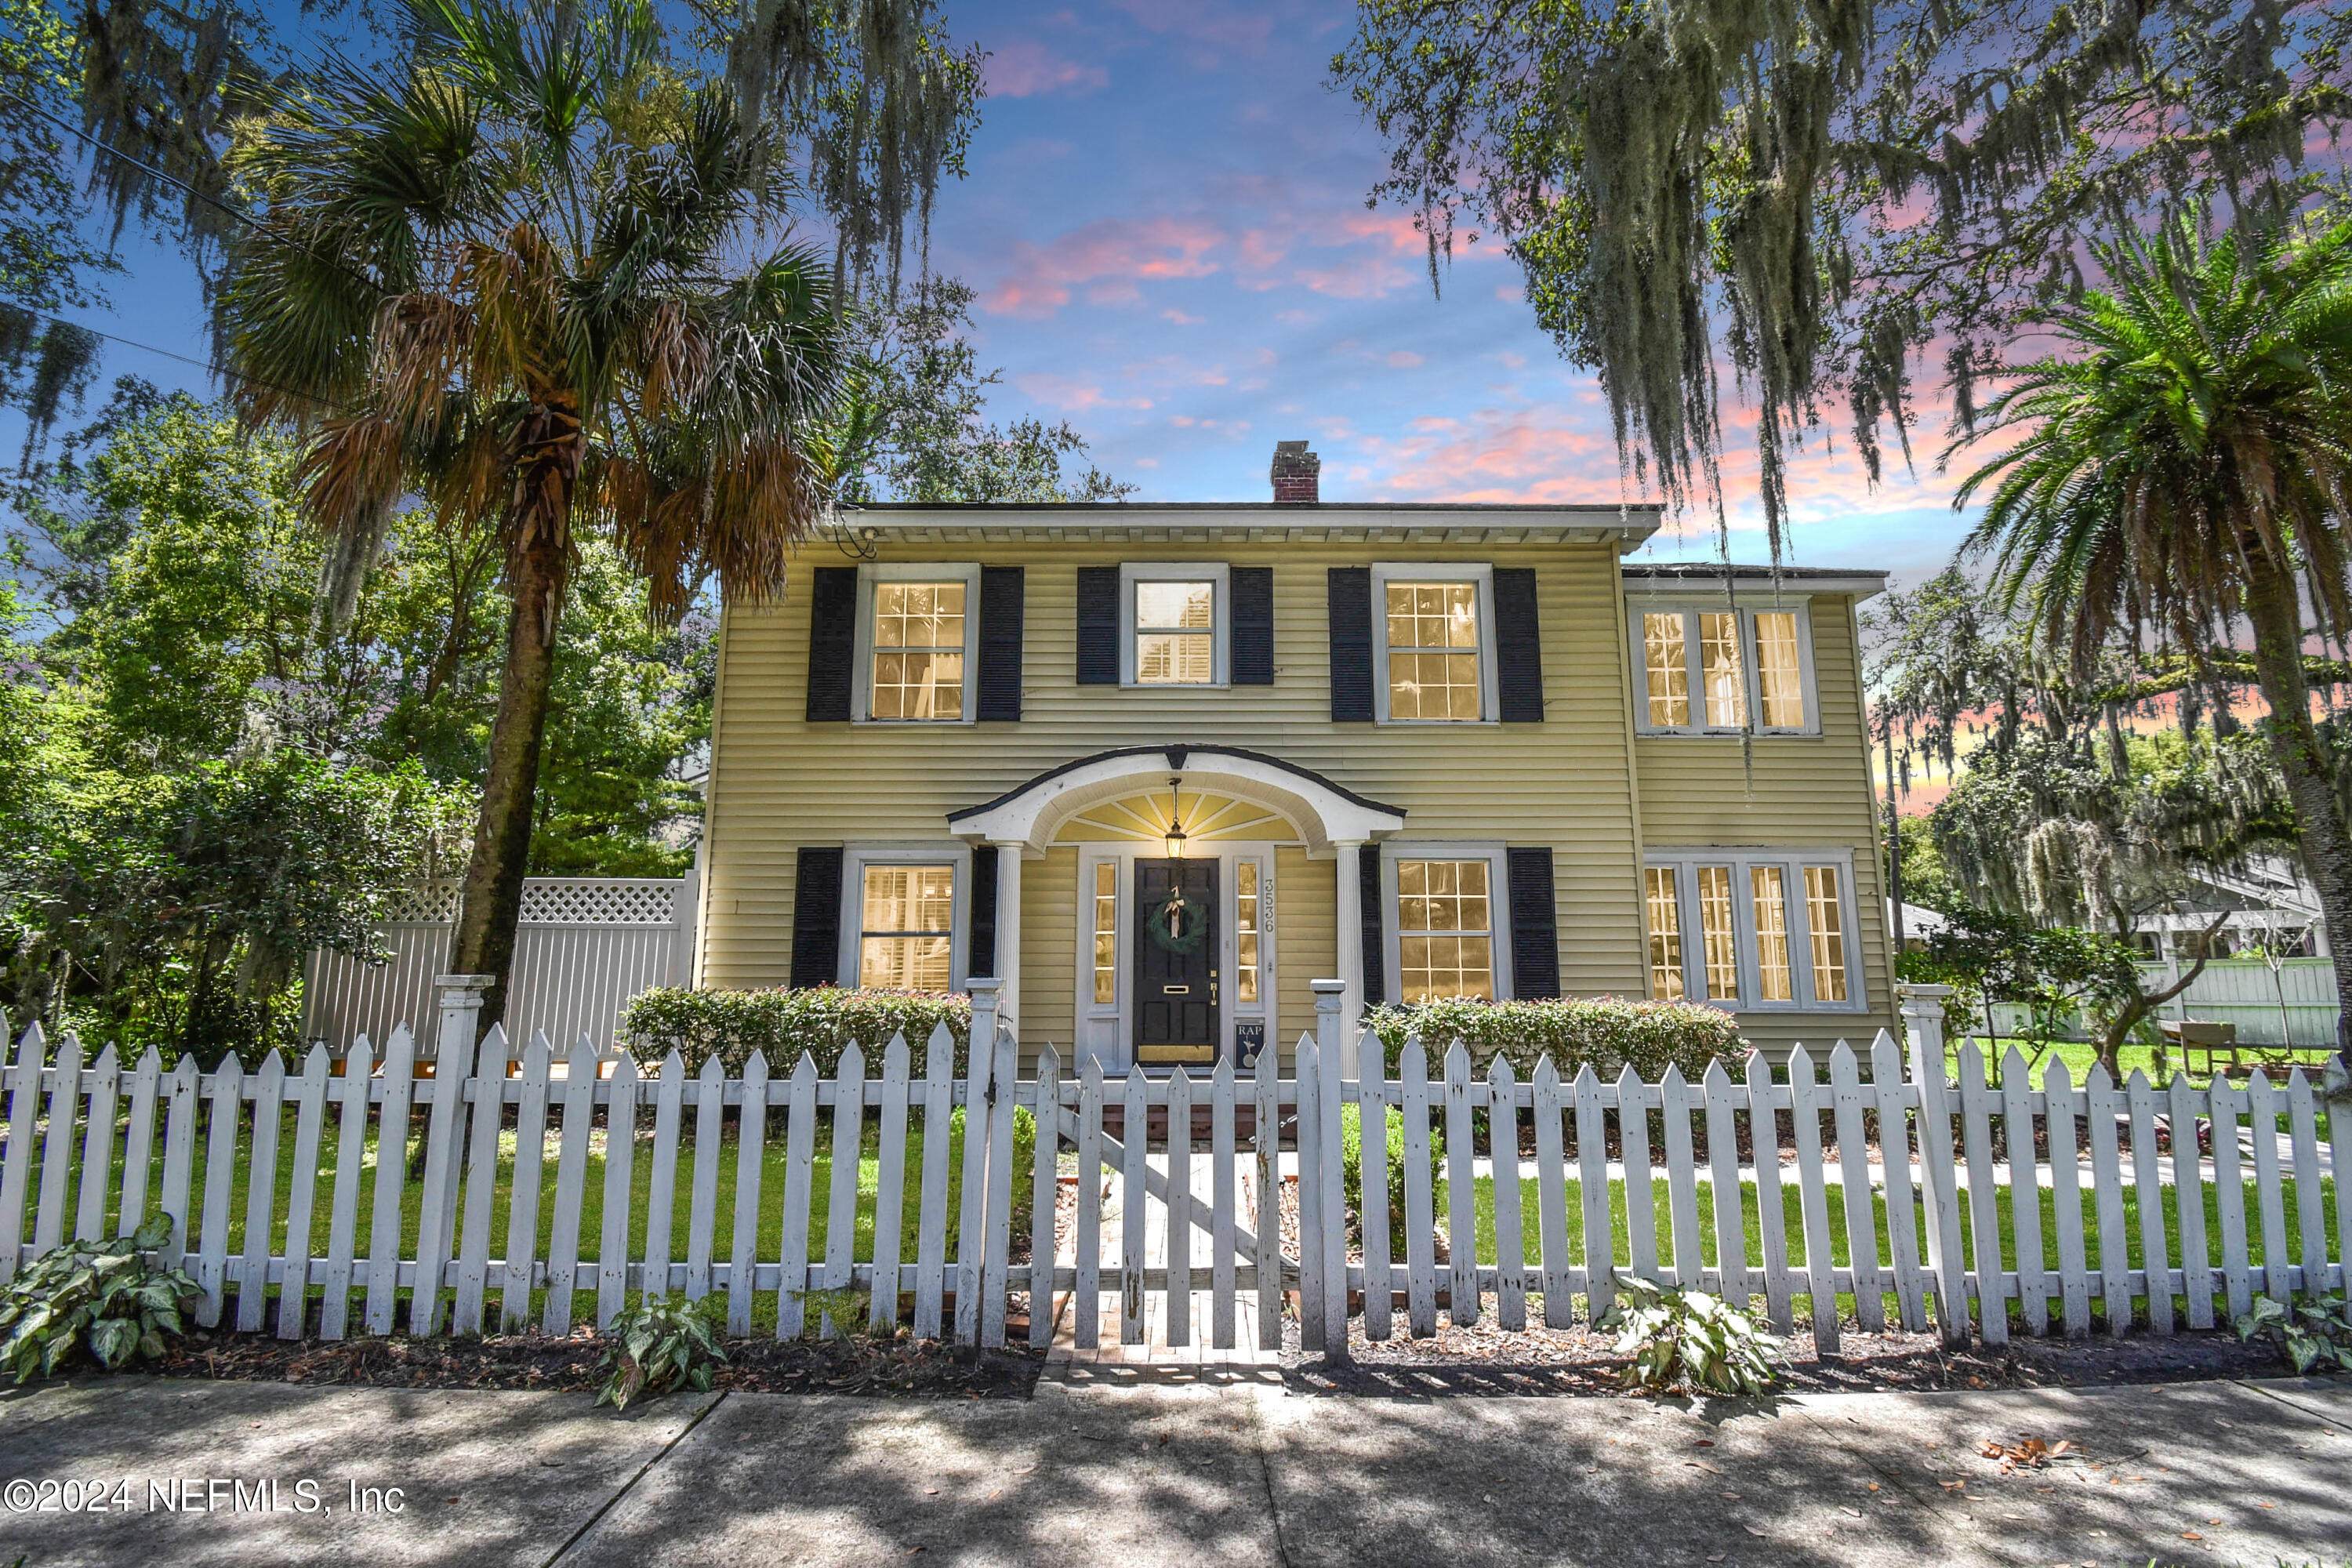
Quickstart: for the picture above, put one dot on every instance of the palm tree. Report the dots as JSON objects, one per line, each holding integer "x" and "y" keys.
{"x": 2186, "y": 468}
{"x": 535, "y": 277}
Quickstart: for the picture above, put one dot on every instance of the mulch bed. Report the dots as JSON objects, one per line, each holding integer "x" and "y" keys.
{"x": 900, "y": 1368}
{"x": 1483, "y": 1359}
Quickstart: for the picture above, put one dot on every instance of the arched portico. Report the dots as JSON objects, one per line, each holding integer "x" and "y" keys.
{"x": 1118, "y": 803}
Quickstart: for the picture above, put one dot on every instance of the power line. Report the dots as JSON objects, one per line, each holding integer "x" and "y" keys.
{"x": 214, "y": 368}
{"x": 238, "y": 213}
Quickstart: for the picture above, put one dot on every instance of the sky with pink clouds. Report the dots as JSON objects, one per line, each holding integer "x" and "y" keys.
{"x": 1165, "y": 223}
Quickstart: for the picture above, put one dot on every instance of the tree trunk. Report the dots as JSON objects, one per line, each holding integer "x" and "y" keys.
{"x": 539, "y": 565}
{"x": 2276, "y": 614}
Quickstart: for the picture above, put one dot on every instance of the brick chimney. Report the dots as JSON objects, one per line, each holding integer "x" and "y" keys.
{"x": 1297, "y": 474}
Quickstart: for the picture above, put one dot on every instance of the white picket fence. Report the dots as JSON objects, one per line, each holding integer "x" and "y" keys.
{"x": 85, "y": 1143}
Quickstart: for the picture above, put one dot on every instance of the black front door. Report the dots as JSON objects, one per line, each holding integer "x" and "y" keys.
{"x": 1176, "y": 1002}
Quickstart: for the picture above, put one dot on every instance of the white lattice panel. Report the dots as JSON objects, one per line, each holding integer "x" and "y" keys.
{"x": 424, "y": 906}
{"x": 598, "y": 901}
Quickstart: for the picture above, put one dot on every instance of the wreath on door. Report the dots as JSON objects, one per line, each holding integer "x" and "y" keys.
{"x": 1177, "y": 924}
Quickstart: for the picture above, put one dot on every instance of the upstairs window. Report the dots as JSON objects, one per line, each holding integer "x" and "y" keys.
{"x": 907, "y": 930}
{"x": 1433, "y": 651}
{"x": 1175, "y": 623}
{"x": 1175, "y": 633}
{"x": 916, "y": 643}
{"x": 1706, "y": 671}
{"x": 1771, "y": 928}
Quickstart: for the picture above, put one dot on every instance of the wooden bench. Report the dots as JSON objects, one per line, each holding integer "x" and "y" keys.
{"x": 2192, "y": 1036}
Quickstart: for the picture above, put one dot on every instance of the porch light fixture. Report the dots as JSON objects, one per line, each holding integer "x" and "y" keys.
{"x": 1175, "y": 835}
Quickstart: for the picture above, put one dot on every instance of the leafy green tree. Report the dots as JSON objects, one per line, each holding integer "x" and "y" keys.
{"x": 512, "y": 269}
{"x": 2186, "y": 465}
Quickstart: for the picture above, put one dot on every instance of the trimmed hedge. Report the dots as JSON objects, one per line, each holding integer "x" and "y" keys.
{"x": 1606, "y": 1032}
{"x": 783, "y": 1023}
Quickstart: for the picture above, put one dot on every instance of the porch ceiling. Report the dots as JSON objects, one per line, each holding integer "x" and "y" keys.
{"x": 1324, "y": 813}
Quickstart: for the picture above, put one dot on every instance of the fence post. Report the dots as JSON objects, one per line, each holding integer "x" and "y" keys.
{"x": 1923, "y": 1022}
{"x": 979, "y": 1112}
{"x": 1333, "y": 1055}
{"x": 453, "y": 1050}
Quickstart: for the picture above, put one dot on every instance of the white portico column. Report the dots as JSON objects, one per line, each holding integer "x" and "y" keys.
{"x": 1349, "y": 936}
{"x": 1008, "y": 930}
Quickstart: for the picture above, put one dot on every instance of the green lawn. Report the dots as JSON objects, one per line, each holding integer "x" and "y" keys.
{"x": 1840, "y": 1254}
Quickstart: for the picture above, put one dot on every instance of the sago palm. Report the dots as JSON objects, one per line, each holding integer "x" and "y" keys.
{"x": 536, "y": 278}
{"x": 2184, "y": 468}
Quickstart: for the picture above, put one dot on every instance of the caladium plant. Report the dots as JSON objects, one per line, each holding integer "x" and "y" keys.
{"x": 2316, "y": 1333}
{"x": 658, "y": 1344}
{"x": 104, "y": 1295}
{"x": 1688, "y": 1339}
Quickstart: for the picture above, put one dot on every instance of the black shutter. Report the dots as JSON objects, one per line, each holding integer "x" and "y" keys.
{"x": 1535, "y": 925}
{"x": 833, "y": 643}
{"x": 1253, "y": 640}
{"x": 1351, "y": 645}
{"x": 979, "y": 951}
{"x": 1376, "y": 958}
{"x": 999, "y": 647}
{"x": 1519, "y": 646}
{"x": 1097, "y": 625}
{"x": 817, "y": 916}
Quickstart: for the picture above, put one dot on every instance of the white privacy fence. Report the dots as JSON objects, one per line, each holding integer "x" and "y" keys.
{"x": 584, "y": 946}
{"x": 314, "y": 1202}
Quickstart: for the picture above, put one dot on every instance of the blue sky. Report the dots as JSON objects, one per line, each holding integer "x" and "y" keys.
{"x": 1165, "y": 222}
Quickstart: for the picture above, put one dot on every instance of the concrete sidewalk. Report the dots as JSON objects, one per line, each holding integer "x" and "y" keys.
{"x": 2195, "y": 1473}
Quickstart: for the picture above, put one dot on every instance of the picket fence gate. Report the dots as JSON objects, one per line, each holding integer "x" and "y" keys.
{"x": 71, "y": 1127}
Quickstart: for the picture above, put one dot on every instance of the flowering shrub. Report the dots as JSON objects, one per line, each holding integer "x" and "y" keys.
{"x": 1609, "y": 1033}
{"x": 782, "y": 1024}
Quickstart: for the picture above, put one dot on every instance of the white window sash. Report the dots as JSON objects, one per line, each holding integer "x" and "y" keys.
{"x": 862, "y": 675}
{"x": 1216, "y": 573}
{"x": 1481, "y": 575}
{"x": 1747, "y": 948}
{"x": 1694, "y": 666}
{"x": 1499, "y": 908}
{"x": 856, "y": 857}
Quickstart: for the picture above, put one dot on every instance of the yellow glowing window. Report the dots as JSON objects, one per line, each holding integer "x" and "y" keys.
{"x": 1246, "y": 930}
{"x": 1106, "y": 932}
{"x": 1719, "y": 670}
{"x": 906, "y": 927}
{"x": 918, "y": 651}
{"x": 1825, "y": 923}
{"x": 1778, "y": 671}
{"x": 1175, "y": 633}
{"x": 1665, "y": 935}
{"x": 1716, "y": 931}
{"x": 1666, "y": 658}
{"x": 1772, "y": 897}
{"x": 1432, "y": 650}
{"x": 1446, "y": 933}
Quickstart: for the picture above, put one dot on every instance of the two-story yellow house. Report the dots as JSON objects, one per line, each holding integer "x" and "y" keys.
{"x": 1156, "y": 767}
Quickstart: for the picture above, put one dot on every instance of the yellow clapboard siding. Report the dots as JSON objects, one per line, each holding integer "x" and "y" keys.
{"x": 1306, "y": 903}
{"x": 1049, "y": 951}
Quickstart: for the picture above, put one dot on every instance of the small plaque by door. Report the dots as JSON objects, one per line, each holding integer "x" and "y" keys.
{"x": 1249, "y": 1039}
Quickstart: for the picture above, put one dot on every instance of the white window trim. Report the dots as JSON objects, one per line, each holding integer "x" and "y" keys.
{"x": 1097, "y": 1020}
{"x": 1482, "y": 575}
{"x": 862, "y": 678}
{"x": 1743, "y": 924}
{"x": 1747, "y": 609}
{"x": 1221, "y": 624}
{"x": 1498, "y": 906}
{"x": 856, "y": 857}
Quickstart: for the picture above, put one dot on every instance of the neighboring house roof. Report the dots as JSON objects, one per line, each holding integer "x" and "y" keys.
{"x": 1679, "y": 575}
{"x": 1916, "y": 921}
{"x": 1414, "y": 522}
